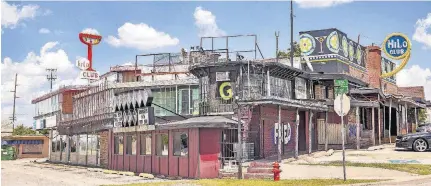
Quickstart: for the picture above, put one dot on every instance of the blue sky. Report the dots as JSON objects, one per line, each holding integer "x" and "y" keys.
{"x": 373, "y": 20}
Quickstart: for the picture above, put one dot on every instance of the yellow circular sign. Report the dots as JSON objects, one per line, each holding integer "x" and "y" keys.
{"x": 397, "y": 46}
{"x": 228, "y": 95}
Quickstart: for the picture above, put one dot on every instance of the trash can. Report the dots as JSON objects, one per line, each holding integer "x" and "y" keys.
{"x": 8, "y": 152}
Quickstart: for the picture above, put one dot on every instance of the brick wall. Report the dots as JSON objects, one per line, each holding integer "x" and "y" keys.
{"x": 269, "y": 116}
{"x": 389, "y": 87}
{"x": 417, "y": 91}
{"x": 373, "y": 64}
{"x": 104, "y": 146}
{"x": 359, "y": 74}
{"x": 67, "y": 104}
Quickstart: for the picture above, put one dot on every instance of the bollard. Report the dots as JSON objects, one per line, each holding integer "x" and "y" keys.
{"x": 276, "y": 170}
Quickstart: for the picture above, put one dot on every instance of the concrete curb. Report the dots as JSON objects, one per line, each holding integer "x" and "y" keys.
{"x": 146, "y": 175}
{"x": 109, "y": 172}
{"x": 126, "y": 173}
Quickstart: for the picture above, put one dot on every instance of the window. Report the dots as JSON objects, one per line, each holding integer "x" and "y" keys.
{"x": 181, "y": 144}
{"x": 145, "y": 148}
{"x": 73, "y": 144}
{"x": 162, "y": 141}
{"x": 131, "y": 145}
{"x": 118, "y": 145}
{"x": 184, "y": 101}
{"x": 82, "y": 144}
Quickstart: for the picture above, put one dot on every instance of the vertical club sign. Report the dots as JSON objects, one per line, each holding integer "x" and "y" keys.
{"x": 89, "y": 37}
{"x": 397, "y": 46}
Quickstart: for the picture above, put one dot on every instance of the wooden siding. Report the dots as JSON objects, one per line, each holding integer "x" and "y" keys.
{"x": 334, "y": 133}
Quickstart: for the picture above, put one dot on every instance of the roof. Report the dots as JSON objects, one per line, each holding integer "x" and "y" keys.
{"x": 59, "y": 91}
{"x": 332, "y": 76}
{"x": 200, "y": 122}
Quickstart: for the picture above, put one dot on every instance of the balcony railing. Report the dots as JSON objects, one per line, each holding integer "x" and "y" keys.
{"x": 217, "y": 106}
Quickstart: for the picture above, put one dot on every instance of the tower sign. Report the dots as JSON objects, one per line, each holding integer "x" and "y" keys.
{"x": 89, "y": 37}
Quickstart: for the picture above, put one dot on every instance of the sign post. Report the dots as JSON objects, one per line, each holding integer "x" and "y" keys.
{"x": 342, "y": 107}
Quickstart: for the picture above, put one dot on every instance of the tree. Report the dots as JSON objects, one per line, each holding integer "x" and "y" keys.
{"x": 296, "y": 52}
{"x": 21, "y": 130}
{"x": 422, "y": 115}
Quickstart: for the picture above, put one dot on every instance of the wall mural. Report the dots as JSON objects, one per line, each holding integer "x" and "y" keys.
{"x": 320, "y": 45}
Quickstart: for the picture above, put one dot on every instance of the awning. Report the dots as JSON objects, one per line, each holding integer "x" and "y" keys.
{"x": 18, "y": 142}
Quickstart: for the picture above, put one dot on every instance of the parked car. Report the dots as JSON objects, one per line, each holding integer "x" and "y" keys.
{"x": 419, "y": 141}
{"x": 424, "y": 128}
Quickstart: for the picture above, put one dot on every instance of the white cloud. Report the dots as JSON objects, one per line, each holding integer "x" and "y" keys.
{"x": 90, "y": 31}
{"x": 320, "y": 3}
{"x": 421, "y": 34}
{"x": 44, "y": 31}
{"x": 206, "y": 23}
{"x": 12, "y": 15}
{"x": 32, "y": 78}
{"x": 416, "y": 76}
{"x": 142, "y": 37}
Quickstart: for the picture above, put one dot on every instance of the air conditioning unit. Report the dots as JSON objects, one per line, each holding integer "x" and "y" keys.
{"x": 247, "y": 150}
{"x": 118, "y": 119}
{"x": 222, "y": 76}
{"x": 146, "y": 116}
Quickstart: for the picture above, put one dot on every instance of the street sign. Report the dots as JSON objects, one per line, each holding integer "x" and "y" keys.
{"x": 341, "y": 86}
{"x": 93, "y": 75}
{"x": 83, "y": 63}
{"x": 342, "y": 104}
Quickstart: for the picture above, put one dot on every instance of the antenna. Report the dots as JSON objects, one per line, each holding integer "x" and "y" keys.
{"x": 51, "y": 76}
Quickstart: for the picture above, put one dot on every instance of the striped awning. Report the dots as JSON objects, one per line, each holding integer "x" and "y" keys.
{"x": 17, "y": 142}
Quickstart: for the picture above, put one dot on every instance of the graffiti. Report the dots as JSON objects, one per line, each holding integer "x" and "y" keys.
{"x": 403, "y": 161}
{"x": 286, "y": 133}
{"x": 352, "y": 130}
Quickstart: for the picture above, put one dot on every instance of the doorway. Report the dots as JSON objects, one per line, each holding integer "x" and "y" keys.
{"x": 302, "y": 132}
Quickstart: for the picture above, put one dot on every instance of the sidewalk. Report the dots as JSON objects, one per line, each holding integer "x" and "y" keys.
{"x": 290, "y": 171}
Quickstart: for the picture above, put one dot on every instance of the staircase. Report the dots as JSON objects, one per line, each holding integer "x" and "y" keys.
{"x": 259, "y": 170}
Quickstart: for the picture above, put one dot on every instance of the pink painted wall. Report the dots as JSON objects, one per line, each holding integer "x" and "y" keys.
{"x": 209, "y": 149}
{"x": 183, "y": 166}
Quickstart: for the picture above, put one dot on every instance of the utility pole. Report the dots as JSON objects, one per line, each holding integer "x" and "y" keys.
{"x": 277, "y": 34}
{"x": 51, "y": 77}
{"x": 14, "y": 103}
{"x": 292, "y": 48}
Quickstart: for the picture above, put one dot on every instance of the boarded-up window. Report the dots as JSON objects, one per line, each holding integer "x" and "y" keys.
{"x": 145, "y": 144}
{"x": 162, "y": 142}
{"x": 32, "y": 149}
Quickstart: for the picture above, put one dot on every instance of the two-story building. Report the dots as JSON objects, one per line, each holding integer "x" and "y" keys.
{"x": 53, "y": 107}
{"x": 378, "y": 106}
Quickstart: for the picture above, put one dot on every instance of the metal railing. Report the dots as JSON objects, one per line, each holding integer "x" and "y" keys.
{"x": 216, "y": 106}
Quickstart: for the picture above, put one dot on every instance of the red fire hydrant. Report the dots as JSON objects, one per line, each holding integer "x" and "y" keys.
{"x": 276, "y": 170}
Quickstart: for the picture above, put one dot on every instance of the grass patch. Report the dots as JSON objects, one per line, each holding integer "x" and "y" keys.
{"x": 410, "y": 168}
{"x": 235, "y": 182}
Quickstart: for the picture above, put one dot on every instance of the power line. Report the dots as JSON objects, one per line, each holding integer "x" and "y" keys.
{"x": 51, "y": 76}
